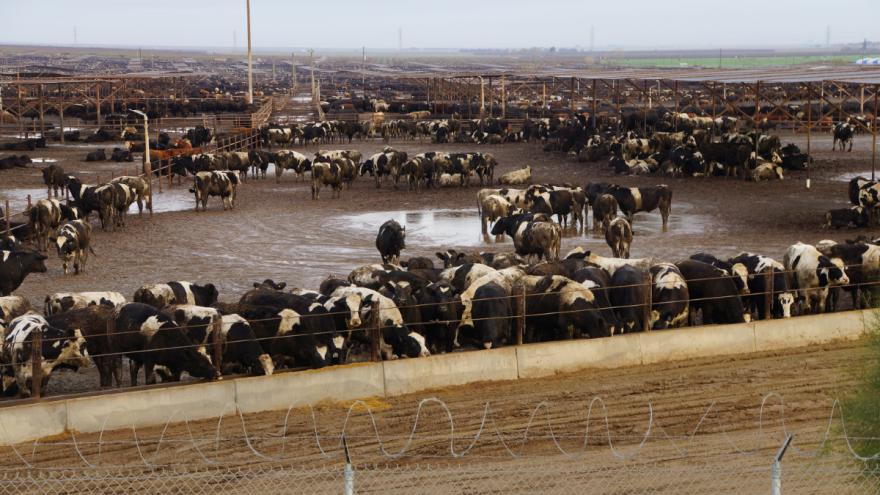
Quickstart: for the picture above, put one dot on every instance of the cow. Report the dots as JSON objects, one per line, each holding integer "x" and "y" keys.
{"x": 632, "y": 200}
{"x": 517, "y": 177}
{"x": 713, "y": 293}
{"x": 419, "y": 172}
{"x": 531, "y": 237}
{"x": 460, "y": 277}
{"x": 140, "y": 187}
{"x": 215, "y": 183}
{"x": 862, "y": 262}
{"x": 491, "y": 209}
{"x": 506, "y": 279}
{"x": 560, "y": 201}
{"x": 390, "y": 241}
{"x": 326, "y": 174}
{"x": 731, "y": 155}
{"x": 54, "y": 178}
{"x": 149, "y": 338}
{"x": 812, "y": 275}
{"x": 669, "y": 297}
{"x": 14, "y": 161}
{"x": 852, "y": 217}
{"x": 843, "y": 133}
{"x": 767, "y": 171}
{"x": 490, "y": 321}
{"x": 856, "y": 184}
{"x": 760, "y": 268}
{"x": 73, "y": 242}
{"x": 58, "y": 348}
{"x": 560, "y": 307}
{"x": 161, "y": 295}
{"x": 384, "y": 164}
{"x": 604, "y": 210}
{"x": 122, "y": 196}
{"x": 240, "y": 349}
{"x": 96, "y": 156}
{"x": 619, "y": 236}
{"x": 291, "y": 160}
{"x": 44, "y": 217}
{"x": 121, "y": 155}
{"x": 629, "y": 292}
{"x": 598, "y": 281}
{"x": 15, "y": 266}
{"x": 61, "y": 302}
{"x": 437, "y": 311}
{"x": 12, "y": 307}
{"x": 737, "y": 272}
{"x": 91, "y": 322}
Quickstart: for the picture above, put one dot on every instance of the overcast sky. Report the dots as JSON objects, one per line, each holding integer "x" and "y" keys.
{"x": 445, "y": 23}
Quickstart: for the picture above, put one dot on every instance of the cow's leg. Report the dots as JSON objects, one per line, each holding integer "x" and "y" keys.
{"x": 149, "y": 372}
{"x": 133, "y": 368}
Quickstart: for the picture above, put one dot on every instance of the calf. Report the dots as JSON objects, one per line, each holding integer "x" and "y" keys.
{"x": 812, "y": 275}
{"x": 57, "y": 348}
{"x": 73, "y": 242}
{"x": 150, "y": 339}
{"x": 161, "y": 295}
{"x": 16, "y": 265}
{"x": 390, "y": 241}
{"x": 61, "y": 302}
{"x": 713, "y": 293}
{"x": 54, "y": 178}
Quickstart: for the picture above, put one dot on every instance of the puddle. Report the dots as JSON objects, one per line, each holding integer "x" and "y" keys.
{"x": 431, "y": 228}
{"x": 44, "y": 160}
{"x": 852, "y": 175}
{"x": 177, "y": 199}
{"x": 18, "y": 197}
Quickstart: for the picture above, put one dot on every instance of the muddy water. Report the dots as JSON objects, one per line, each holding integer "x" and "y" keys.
{"x": 443, "y": 227}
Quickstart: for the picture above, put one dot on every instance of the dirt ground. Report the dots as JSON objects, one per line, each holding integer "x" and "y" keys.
{"x": 706, "y": 412}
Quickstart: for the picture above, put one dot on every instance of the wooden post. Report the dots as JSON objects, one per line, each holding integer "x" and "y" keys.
{"x": 768, "y": 296}
{"x": 810, "y": 127}
{"x": 216, "y": 343}
{"x": 37, "y": 363}
{"x": 593, "y": 108}
{"x": 375, "y": 332}
{"x": 646, "y": 327}
{"x": 675, "y": 97}
{"x": 61, "y": 112}
{"x": 7, "y": 214}
{"x": 503, "y": 98}
{"x": 98, "y": 102}
{"x": 42, "y": 115}
{"x": 29, "y": 202}
{"x": 571, "y": 95}
{"x": 520, "y": 315}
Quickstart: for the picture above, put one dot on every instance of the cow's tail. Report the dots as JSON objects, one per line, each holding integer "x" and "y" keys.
{"x": 92, "y": 251}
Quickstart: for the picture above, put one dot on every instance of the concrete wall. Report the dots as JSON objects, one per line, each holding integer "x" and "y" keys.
{"x": 151, "y": 407}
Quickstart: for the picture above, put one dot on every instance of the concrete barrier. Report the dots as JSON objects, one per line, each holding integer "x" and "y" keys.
{"x": 406, "y": 376}
{"x": 151, "y": 407}
{"x": 281, "y": 391}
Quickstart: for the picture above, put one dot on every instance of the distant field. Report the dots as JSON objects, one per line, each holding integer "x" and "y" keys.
{"x": 736, "y": 62}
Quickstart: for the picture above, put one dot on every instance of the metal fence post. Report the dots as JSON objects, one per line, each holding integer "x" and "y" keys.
{"x": 216, "y": 344}
{"x": 768, "y": 297}
{"x": 8, "y": 219}
{"x": 36, "y": 363}
{"x": 375, "y": 329}
{"x": 348, "y": 472}
{"x": 776, "y": 475}
{"x": 521, "y": 315}
{"x": 650, "y": 302}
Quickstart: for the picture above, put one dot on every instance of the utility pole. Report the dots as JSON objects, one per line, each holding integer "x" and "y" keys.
{"x": 250, "y": 56}
{"x": 293, "y": 73}
{"x": 363, "y": 65}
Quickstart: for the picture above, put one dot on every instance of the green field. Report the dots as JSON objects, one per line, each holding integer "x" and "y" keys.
{"x": 735, "y": 62}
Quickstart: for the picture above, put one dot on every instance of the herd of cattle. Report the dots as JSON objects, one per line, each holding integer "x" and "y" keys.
{"x": 418, "y": 308}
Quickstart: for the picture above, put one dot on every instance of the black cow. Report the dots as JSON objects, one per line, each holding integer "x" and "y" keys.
{"x": 121, "y": 155}
{"x": 628, "y": 296}
{"x": 491, "y": 317}
{"x": 731, "y": 155}
{"x": 599, "y": 282}
{"x": 854, "y": 216}
{"x": 560, "y": 308}
{"x": 54, "y": 178}
{"x": 96, "y": 156}
{"x": 739, "y": 273}
{"x": 437, "y": 312}
{"x": 843, "y": 133}
{"x": 16, "y": 265}
{"x": 199, "y": 135}
{"x": 713, "y": 292}
{"x": 14, "y": 161}
{"x": 390, "y": 241}
{"x": 149, "y": 339}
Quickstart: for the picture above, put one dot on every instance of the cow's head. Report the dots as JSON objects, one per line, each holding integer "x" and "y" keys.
{"x": 406, "y": 343}
{"x": 784, "y": 303}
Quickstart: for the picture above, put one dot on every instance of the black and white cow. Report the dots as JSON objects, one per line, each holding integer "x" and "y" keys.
{"x": 44, "y": 217}
{"x": 604, "y": 210}
{"x": 61, "y": 302}
{"x": 216, "y": 183}
{"x": 149, "y": 338}
{"x": 161, "y": 295}
{"x": 812, "y": 274}
{"x": 531, "y": 237}
{"x": 852, "y": 217}
{"x": 559, "y": 308}
{"x": 629, "y": 296}
{"x": 862, "y": 262}
{"x": 326, "y": 174}
{"x": 390, "y": 240}
{"x": 632, "y": 200}
{"x": 57, "y": 348}
{"x": 73, "y": 243}
{"x": 137, "y": 186}
{"x": 559, "y": 201}
{"x": 16, "y": 265}
{"x": 669, "y": 297}
{"x": 438, "y": 312}
{"x": 759, "y": 269}
{"x": 738, "y": 272}
{"x": 712, "y": 292}
{"x": 843, "y": 133}
{"x": 388, "y": 163}
{"x": 619, "y": 236}
{"x": 91, "y": 322}
{"x": 241, "y": 351}
{"x": 490, "y": 321}
{"x": 12, "y": 307}
{"x": 291, "y": 160}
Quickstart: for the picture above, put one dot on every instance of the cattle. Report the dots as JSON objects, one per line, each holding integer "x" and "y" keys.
{"x": 14, "y": 161}
{"x": 149, "y": 338}
{"x": 687, "y": 161}
{"x": 12, "y": 307}
{"x": 326, "y": 174}
{"x": 291, "y": 160}
{"x": 240, "y": 349}
{"x": 390, "y": 241}
{"x": 856, "y": 185}
{"x": 713, "y": 293}
{"x": 669, "y": 297}
{"x": 604, "y": 210}
{"x": 852, "y": 217}
{"x": 384, "y": 164}
{"x": 121, "y": 155}
{"x": 812, "y": 275}
{"x": 140, "y": 187}
{"x": 91, "y": 322}
{"x": 732, "y": 156}
{"x": 280, "y": 136}
{"x": 161, "y": 295}
{"x": 766, "y": 171}
{"x": 517, "y": 177}
{"x": 843, "y": 133}
{"x": 396, "y": 340}
{"x": 736, "y": 271}
{"x": 73, "y": 242}
{"x": 437, "y": 311}
{"x": 54, "y": 178}
{"x": 560, "y": 307}
{"x": 215, "y": 183}
{"x": 122, "y": 196}
{"x": 462, "y": 276}
{"x": 490, "y": 321}
{"x": 419, "y": 172}
{"x": 16, "y": 265}
{"x": 531, "y": 237}
{"x": 61, "y": 302}
{"x": 44, "y": 217}
{"x": 560, "y": 201}
{"x": 506, "y": 279}
{"x": 598, "y": 280}
{"x": 491, "y": 209}
{"x": 58, "y": 348}
{"x": 619, "y": 237}
{"x": 96, "y": 156}
{"x": 449, "y": 180}
{"x": 862, "y": 262}
{"x": 632, "y": 200}
{"x": 629, "y": 292}
{"x": 199, "y": 135}
{"x": 760, "y": 268}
